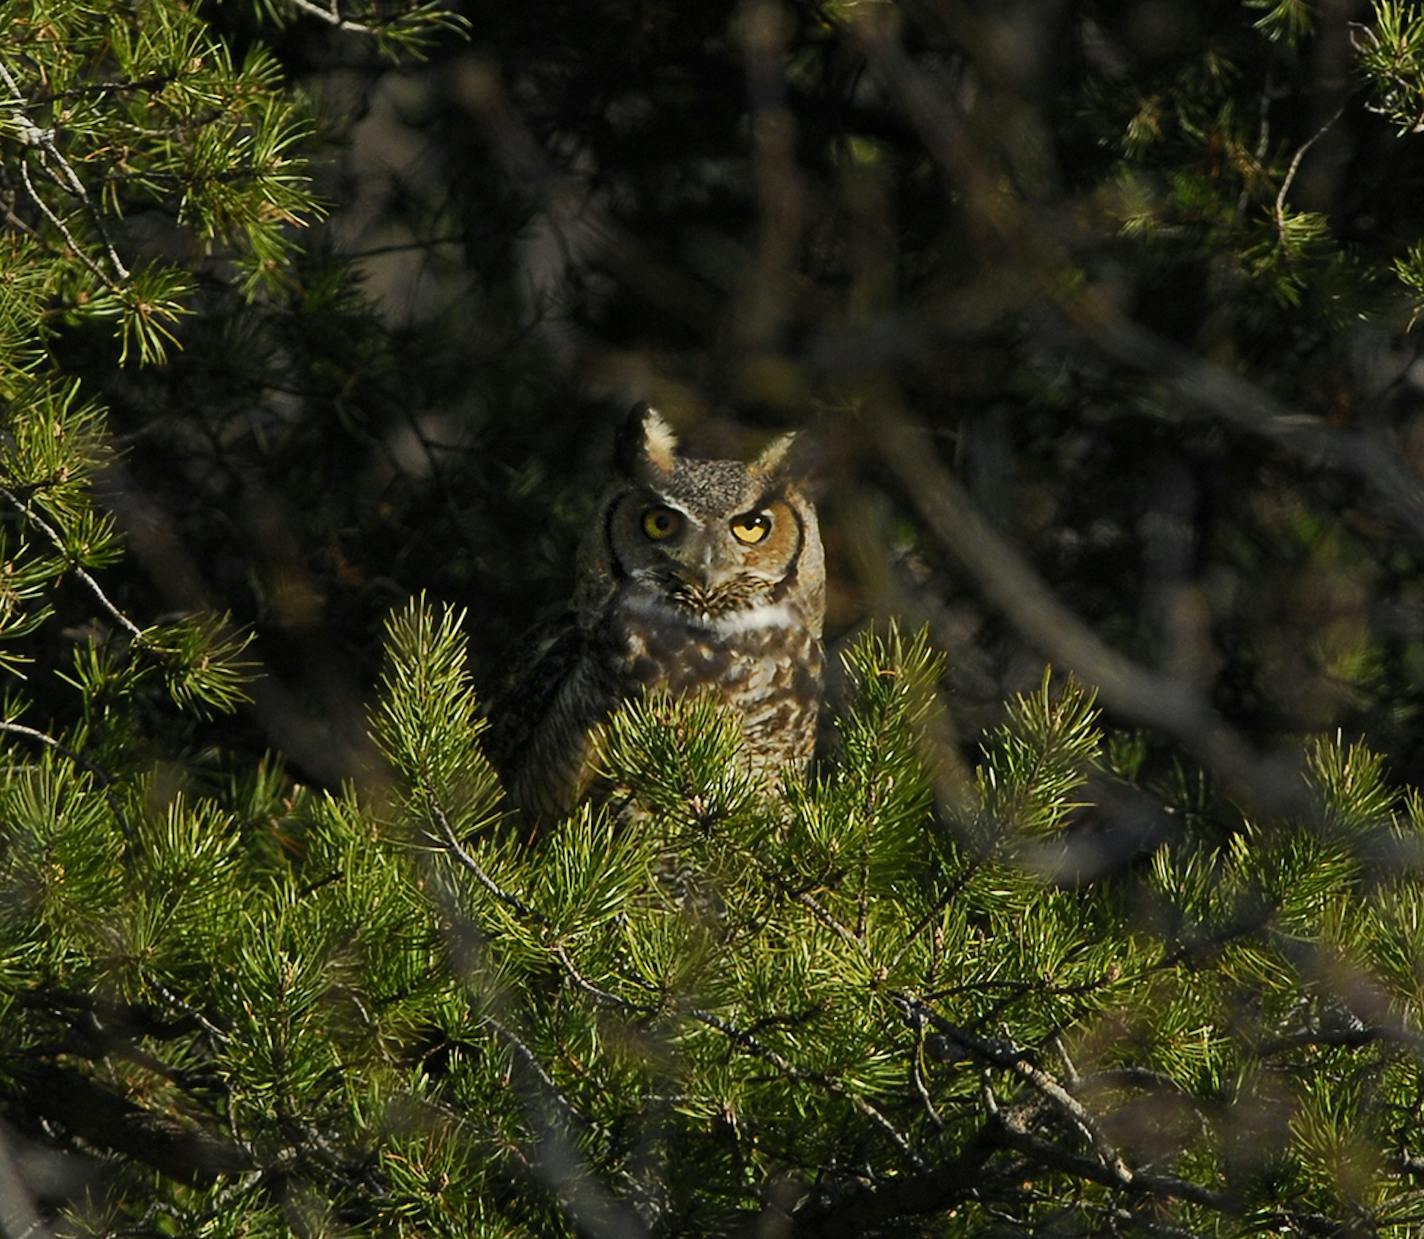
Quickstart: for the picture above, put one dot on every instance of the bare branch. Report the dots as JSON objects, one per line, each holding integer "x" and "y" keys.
{"x": 332, "y": 17}
{"x": 1012, "y": 1059}
{"x": 1026, "y": 601}
{"x": 1280, "y": 211}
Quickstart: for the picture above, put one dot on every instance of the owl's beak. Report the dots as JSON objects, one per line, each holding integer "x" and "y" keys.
{"x": 692, "y": 578}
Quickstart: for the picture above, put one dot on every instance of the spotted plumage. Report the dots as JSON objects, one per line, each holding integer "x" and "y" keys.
{"x": 693, "y": 574}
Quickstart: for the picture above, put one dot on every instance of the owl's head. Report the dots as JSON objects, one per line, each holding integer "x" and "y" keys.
{"x": 723, "y": 543}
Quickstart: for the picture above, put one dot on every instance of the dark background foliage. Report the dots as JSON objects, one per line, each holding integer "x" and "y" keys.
{"x": 757, "y": 216}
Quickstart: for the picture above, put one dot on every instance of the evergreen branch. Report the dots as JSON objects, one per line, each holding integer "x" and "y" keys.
{"x": 1165, "y": 1186}
{"x": 107, "y": 781}
{"x": 1010, "y": 1058}
{"x": 917, "y": 1075}
{"x": 43, "y": 140}
{"x": 789, "y": 1069}
{"x": 57, "y": 541}
{"x": 79, "y": 251}
{"x": 596, "y": 1212}
{"x": 602, "y": 996}
{"x": 961, "y": 881}
{"x": 192, "y": 1012}
{"x": 175, "y": 1148}
{"x": 154, "y": 81}
{"x": 33, "y": 733}
{"x": 473, "y": 866}
{"x": 526, "y": 1055}
{"x": 1112, "y": 1172}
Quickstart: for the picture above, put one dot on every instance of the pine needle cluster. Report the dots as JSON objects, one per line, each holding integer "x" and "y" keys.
{"x": 850, "y": 1008}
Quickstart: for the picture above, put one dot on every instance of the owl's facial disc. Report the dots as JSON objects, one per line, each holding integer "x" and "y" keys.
{"x": 718, "y": 563}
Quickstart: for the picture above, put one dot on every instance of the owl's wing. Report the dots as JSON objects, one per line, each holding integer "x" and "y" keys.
{"x": 522, "y": 700}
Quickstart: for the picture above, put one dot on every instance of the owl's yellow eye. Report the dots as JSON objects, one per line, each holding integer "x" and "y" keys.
{"x": 659, "y": 524}
{"x": 751, "y": 527}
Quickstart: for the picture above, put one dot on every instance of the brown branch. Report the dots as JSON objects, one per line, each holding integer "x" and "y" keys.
{"x": 1010, "y": 583}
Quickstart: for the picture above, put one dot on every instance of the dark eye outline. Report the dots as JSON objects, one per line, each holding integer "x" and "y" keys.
{"x": 750, "y": 527}
{"x": 654, "y": 532}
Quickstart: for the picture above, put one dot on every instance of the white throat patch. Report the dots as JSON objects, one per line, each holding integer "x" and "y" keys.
{"x": 751, "y": 619}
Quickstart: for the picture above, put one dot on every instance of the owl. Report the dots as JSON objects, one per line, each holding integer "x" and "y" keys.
{"x": 692, "y": 574}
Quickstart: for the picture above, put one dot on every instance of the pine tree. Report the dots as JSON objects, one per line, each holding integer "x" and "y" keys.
{"x": 855, "y": 1009}
{"x": 1111, "y": 972}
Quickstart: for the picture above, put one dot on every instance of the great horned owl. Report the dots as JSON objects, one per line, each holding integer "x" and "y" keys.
{"x": 692, "y": 574}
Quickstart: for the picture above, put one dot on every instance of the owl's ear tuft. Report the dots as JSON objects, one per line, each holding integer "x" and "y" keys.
{"x": 646, "y": 443}
{"x": 775, "y": 456}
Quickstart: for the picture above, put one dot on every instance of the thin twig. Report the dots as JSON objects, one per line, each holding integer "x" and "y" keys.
{"x": 53, "y": 535}
{"x": 603, "y": 996}
{"x": 821, "y": 914}
{"x": 332, "y": 17}
{"x": 1295, "y": 167}
{"x": 33, "y": 733}
{"x": 474, "y": 867}
{"x": 65, "y": 176}
{"x": 917, "y": 1075}
{"x": 532, "y": 1063}
{"x": 939, "y": 905}
{"x": 168, "y": 996}
{"x": 79, "y": 251}
{"x": 1012, "y": 1059}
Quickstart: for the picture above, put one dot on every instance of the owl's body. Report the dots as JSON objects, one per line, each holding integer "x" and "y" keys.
{"x": 693, "y": 574}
